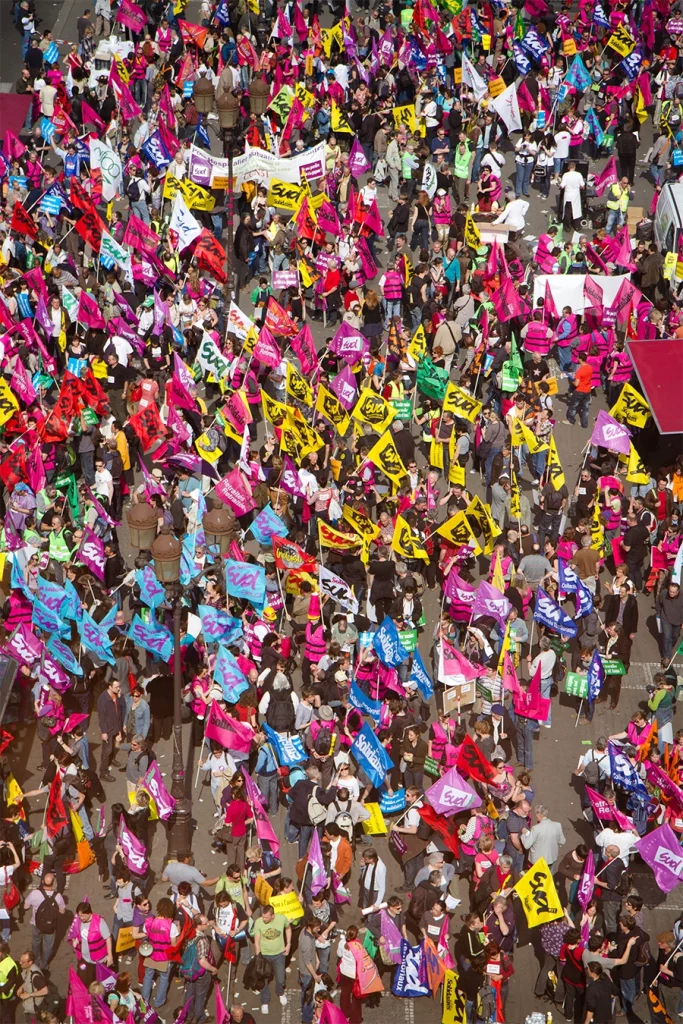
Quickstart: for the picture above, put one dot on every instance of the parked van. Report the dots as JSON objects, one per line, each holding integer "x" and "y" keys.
{"x": 668, "y": 224}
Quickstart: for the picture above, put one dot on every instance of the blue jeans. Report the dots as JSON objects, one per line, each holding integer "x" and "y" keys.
{"x": 268, "y": 786}
{"x": 306, "y": 1008}
{"x": 522, "y": 179}
{"x": 162, "y": 986}
{"x": 670, "y": 635}
{"x": 538, "y": 461}
{"x": 278, "y": 962}
{"x": 198, "y": 991}
{"x": 141, "y": 210}
{"x": 476, "y": 166}
{"x": 579, "y": 404}
{"x": 629, "y": 991}
{"x": 280, "y": 261}
{"x": 525, "y": 741}
{"x": 420, "y": 239}
{"x": 615, "y": 219}
{"x": 488, "y": 465}
{"x": 392, "y": 307}
{"x": 43, "y": 946}
{"x": 305, "y": 833}
{"x": 564, "y": 356}
{"x": 546, "y": 687}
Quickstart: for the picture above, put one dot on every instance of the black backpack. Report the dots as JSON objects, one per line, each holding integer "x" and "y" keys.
{"x": 591, "y": 772}
{"x": 47, "y": 915}
{"x": 280, "y": 714}
{"x": 133, "y": 190}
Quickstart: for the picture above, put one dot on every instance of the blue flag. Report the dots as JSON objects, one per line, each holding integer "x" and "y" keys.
{"x": 387, "y": 644}
{"x": 47, "y": 129}
{"x": 48, "y": 620}
{"x": 567, "y": 578}
{"x": 420, "y": 676}
{"x": 64, "y": 655}
{"x": 578, "y": 75}
{"x": 289, "y": 749}
{"x": 52, "y": 595}
{"x": 552, "y": 616}
{"x": 109, "y": 619}
{"x": 408, "y": 976}
{"x": 18, "y": 580}
{"x": 371, "y": 756}
{"x": 151, "y": 591}
{"x": 245, "y": 579}
{"x": 222, "y": 14}
{"x": 266, "y": 525}
{"x": 154, "y": 637}
{"x": 218, "y": 627}
{"x": 51, "y": 55}
{"x": 155, "y": 151}
{"x": 95, "y": 639}
{"x": 534, "y": 45}
{"x": 599, "y": 16}
{"x": 364, "y": 704}
{"x": 229, "y": 676}
{"x": 584, "y": 601}
{"x": 73, "y": 609}
{"x": 596, "y": 677}
{"x": 203, "y": 135}
{"x": 623, "y": 773}
{"x": 631, "y": 64}
{"x": 520, "y": 58}
{"x": 594, "y": 126}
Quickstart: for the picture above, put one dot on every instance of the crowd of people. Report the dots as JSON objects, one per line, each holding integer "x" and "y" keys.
{"x": 337, "y": 426}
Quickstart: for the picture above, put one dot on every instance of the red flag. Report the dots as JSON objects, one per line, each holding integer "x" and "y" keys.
{"x": 289, "y": 555}
{"x": 446, "y": 827}
{"x": 5, "y": 740}
{"x": 90, "y": 227}
{"x": 93, "y": 394}
{"x": 473, "y": 763}
{"x": 149, "y": 426}
{"x": 55, "y": 813}
{"x": 278, "y": 320}
{"x": 22, "y": 222}
{"x": 13, "y": 467}
{"x": 79, "y": 197}
{"x": 192, "y": 34}
{"x": 211, "y": 255}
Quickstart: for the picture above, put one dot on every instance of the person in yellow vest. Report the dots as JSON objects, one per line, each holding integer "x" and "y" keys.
{"x": 9, "y": 978}
{"x": 617, "y": 205}
{"x": 60, "y": 545}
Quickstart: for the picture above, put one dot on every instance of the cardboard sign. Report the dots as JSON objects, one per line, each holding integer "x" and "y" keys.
{"x": 375, "y": 825}
{"x": 288, "y": 905}
{"x": 497, "y": 86}
{"x": 125, "y": 940}
{"x": 263, "y": 890}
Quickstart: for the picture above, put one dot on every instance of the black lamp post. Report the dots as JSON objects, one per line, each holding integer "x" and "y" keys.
{"x": 228, "y": 107}
{"x": 166, "y": 552}
{"x": 203, "y": 95}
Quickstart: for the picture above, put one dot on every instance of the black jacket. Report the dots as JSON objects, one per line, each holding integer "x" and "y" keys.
{"x": 110, "y": 712}
{"x": 630, "y": 617}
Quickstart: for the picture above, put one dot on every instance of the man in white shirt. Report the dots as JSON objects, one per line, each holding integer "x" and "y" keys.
{"x": 104, "y": 482}
{"x": 514, "y": 215}
{"x": 562, "y": 140}
{"x": 624, "y": 841}
{"x": 572, "y": 183}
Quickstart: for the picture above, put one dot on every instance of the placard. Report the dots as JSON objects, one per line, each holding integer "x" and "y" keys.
{"x": 375, "y": 825}
{"x": 408, "y": 638}
{"x": 576, "y": 684}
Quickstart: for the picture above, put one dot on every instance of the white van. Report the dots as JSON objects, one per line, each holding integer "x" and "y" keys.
{"x": 669, "y": 218}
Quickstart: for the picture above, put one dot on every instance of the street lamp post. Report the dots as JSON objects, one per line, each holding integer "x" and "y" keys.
{"x": 228, "y": 112}
{"x": 166, "y": 552}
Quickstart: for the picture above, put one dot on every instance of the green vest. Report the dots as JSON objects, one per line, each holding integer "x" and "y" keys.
{"x": 462, "y": 162}
{"x": 406, "y": 167}
{"x": 59, "y": 549}
{"x": 6, "y": 967}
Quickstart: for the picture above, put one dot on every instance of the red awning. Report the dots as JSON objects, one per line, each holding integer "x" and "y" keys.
{"x": 659, "y": 365}
{"x": 13, "y": 112}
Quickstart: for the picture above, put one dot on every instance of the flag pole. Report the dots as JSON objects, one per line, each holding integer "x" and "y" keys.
{"x": 199, "y": 762}
{"x": 653, "y": 983}
{"x": 578, "y": 715}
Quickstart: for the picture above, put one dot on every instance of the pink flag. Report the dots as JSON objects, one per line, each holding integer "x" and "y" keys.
{"x": 305, "y": 350}
{"x": 91, "y": 116}
{"x": 133, "y": 850}
{"x": 549, "y": 307}
{"x": 372, "y": 220}
{"x": 78, "y": 999}
{"x": 231, "y": 734}
{"x": 456, "y": 664}
{"x": 358, "y": 162}
{"x": 264, "y": 829}
{"x": 331, "y": 1014}
{"x": 154, "y": 784}
{"x": 180, "y": 429}
{"x": 132, "y": 16}
{"x": 91, "y": 553}
{"x": 168, "y": 138}
{"x": 345, "y": 388}
{"x": 328, "y": 219}
{"x": 183, "y": 384}
{"x": 13, "y": 148}
{"x": 36, "y": 471}
{"x": 510, "y": 681}
{"x": 266, "y": 349}
{"x": 368, "y": 265}
{"x": 451, "y": 794}
{"x": 507, "y": 302}
{"x": 74, "y": 720}
{"x": 140, "y": 236}
{"x": 21, "y": 383}
{"x": 662, "y": 851}
{"x": 222, "y": 1015}
{"x": 601, "y": 807}
{"x": 234, "y": 491}
{"x": 289, "y": 478}
{"x": 607, "y": 177}
{"x": 316, "y": 866}
{"x": 89, "y": 312}
{"x": 461, "y": 596}
{"x": 489, "y": 601}
{"x": 531, "y": 704}
{"x": 300, "y": 25}
{"x": 127, "y": 104}
{"x": 584, "y": 893}
{"x": 35, "y": 280}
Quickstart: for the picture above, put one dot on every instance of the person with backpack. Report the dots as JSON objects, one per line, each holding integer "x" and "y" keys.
{"x": 126, "y": 891}
{"x": 137, "y": 191}
{"x": 413, "y": 846}
{"x": 45, "y": 904}
{"x": 198, "y": 967}
{"x": 594, "y": 769}
{"x": 33, "y": 987}
{"x": 308, "y": 809}
{"x": 279, "y": 705}
{"x": 231, "y": 837}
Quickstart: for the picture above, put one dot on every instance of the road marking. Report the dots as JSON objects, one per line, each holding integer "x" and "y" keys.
{"x": 648, "y": 669}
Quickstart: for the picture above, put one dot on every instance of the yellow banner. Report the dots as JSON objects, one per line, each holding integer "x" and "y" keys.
{"x": 263, "y": 890}
{"x": 636, "y": 472}
{"x": 538, "y": 895}
{"x": 630, "y": 407}
{"x": 460, "y": 403}
{"x": 358, "y": 520}
{"x": 458, "y": 531}
{"x": 331, "y": 538}
{"x": 456, "y": 474}
{"x": 405, "y": 115}
{"x": 8, "y": 403}
{"x": 555, "y": 471}
{"x": 385, "y": 456}
{"x": 373, "y": 409}
{"x": 196, "y": 197}
{"x": 405, "y": 543}
{"x": 472, "y": 233}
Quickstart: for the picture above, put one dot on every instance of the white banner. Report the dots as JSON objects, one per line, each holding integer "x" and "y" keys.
{"x": 256, "y": 165}
{"x": 567, "y": 289}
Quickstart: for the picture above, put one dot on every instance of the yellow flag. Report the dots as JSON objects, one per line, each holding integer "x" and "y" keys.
{"x": 405, "y": 115}
{"x": 385, "y": 456}
{"x": 275, "y": 412}
{"x": 206, "y": 452}
{"x": 405, "y": 543}
{"x": 124, "y": 73}
{"x": 373, "y": 409}
{"x": 298, "y": 387}
{"x": 520, "y": 434}
{"x": 110, "y": 211}
{"x": 458, "y": 531}
{"x": 328, "y": 537}
{"x": 505, "y": 647}
{"x": 15, "y": 793}
{"x": 481, "y": 514}
{"x": 456, "y": 473}
{"x": 639, "y": 106}
{"x": 636, "y": 472}
{"x": 515, "y": 502}
{"x": 630, "y": 407}
{"x": 460, "y": 403}
{"x": 453, "y": 1002}
{"x": 329, "y": 406}
{"x": 436, "y": 454}
{"x": 250, "y": 340}
{"x": 8, "y": 403}
{"x": 555, "y": 471}
{"x": 472, "y": 233}
{"x": 538, "y": 895}
{"x": 498, "y": 580}
{"x": 622, "y": 41}
{"x": 363, "y": 525}
{"x": 339, "y": 121}
{"x": 597, "y": 530}
{"x": 418, "y": 344}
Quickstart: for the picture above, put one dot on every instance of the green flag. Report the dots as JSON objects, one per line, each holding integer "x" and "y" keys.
{"x": 431, "y": 379}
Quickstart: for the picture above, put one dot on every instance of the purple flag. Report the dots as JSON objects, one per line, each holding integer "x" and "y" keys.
{"x": 106, "y": 977}
{"x": 662, "y": 851}
{"x": 348, "y": 344}
{"x": 318, "y": 875}
{"x": 43, "y": 317}
{"x": 584, "y": 893}
{"x": 91, "y": 553}
{"x": 450, "y": 794}
{"x": 133, "y": 850}
{"x": 490, "y": 602}
{"x": 461, "y": 596}
{"x": 151, "y": 486}
{"x": 24, "y": 645}
{"x": 289, "y": 478}
{"x": 154, "y": 784}
{"x": 99, "y": 508}
{"x": 608, "y": 433}
{"x": 345, "y": 388}
{"x": 358, "y": 162}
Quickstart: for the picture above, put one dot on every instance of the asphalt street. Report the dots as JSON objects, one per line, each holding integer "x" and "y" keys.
{"x": 556, "y": 752}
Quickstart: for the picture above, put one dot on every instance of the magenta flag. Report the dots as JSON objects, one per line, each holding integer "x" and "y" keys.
{"x": 35, "y": 280}
{"x": 305, "y": 350}
{"x": 21, "y": 383}
{"x": 128, "y": 106}
{"x": 456, "y": 664}
{"x": 74, "y": 720}
{"x": 391, "y": 935}
{"x": 490, "y": 602}
{"x": 461, "y": 596}
{"x": 531, "y": 704}
{"x": 317, "y": 875}
{"x": 372, "y": 220}
{"x": 78, "y": 999}
{"x": 222, "y": 1015}
{"x": 264, "y": 829}
{"x": 345, "y": 388}
{"x": 507, "y": 303}
{"x": 607, "y": 177}
{"x": 289, "y": 478}
{"x": 91, "y": 553}
{"x": 182, "y": 1016}
{"x": 451, "y": 794}
{"x": 88, "y": 311}
{"x": 601, "y": 807}
{"x": 348, "y": 343}
{"x": 510, "y": 680}
{"x": 610, "y": 434}
{"x": 235, "y": 492}
{"x": 662, "y": 851}
{"x": 91, "y": 116}
{"x": 130, "y": 15}
{"x": 133, "y": 850}
{"x": 24, "y": 645}
{"x": 584, "y": 893}
{"x": 331, "y": 1014}
{"x": 154, "y": 784}
{"x": 358, "y": 162}
{"x": 328, "y": 219}
{"x": 267, "y": 350}
{"x": 231, "y": 735}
